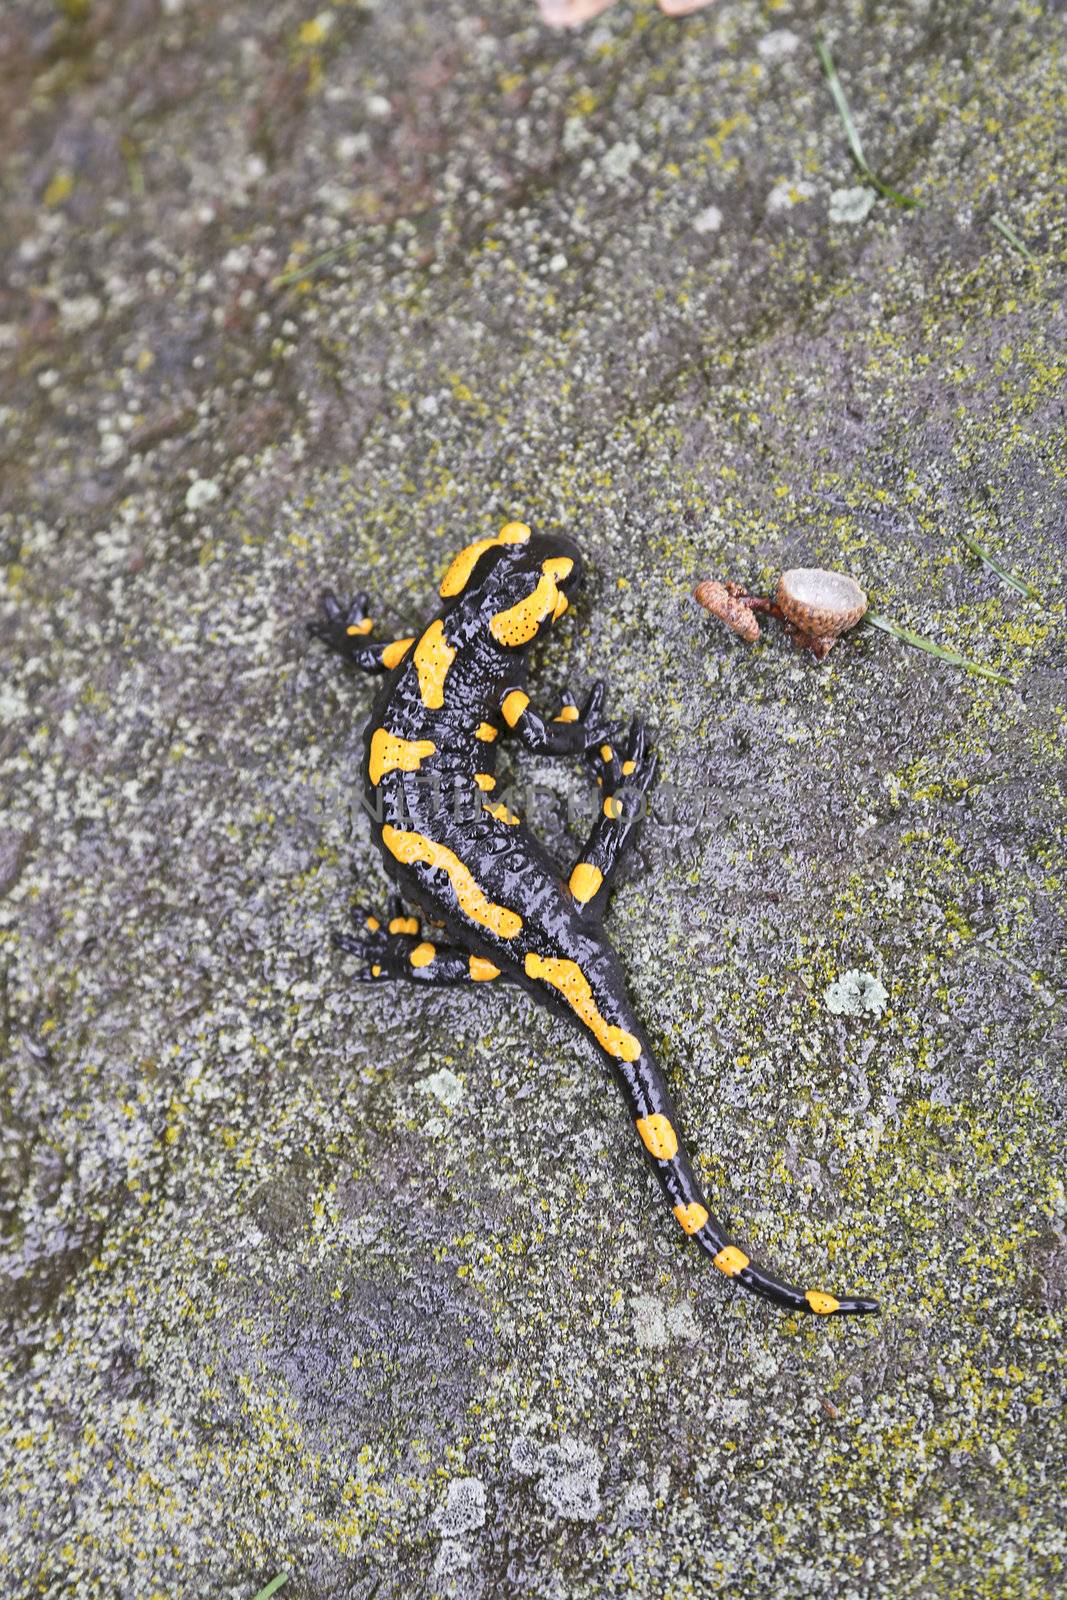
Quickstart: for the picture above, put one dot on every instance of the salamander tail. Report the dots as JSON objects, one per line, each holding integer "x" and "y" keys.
{"x": 656, "y": 1122}
{"x": 735, "y": 1263}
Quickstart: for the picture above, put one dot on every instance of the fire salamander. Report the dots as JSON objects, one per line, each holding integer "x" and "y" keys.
{"x": 472, "y": 867}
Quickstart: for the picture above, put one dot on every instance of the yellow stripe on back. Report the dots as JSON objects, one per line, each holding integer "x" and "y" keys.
{"x": 433, "y": 657}
{"x": 462, "y": 565}
{"x": 574, "y": 986}
{"x": 519, "y": 623}
{"x": 471, "y": 897}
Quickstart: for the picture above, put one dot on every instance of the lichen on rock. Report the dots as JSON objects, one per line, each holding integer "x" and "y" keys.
{"x": 384, "y": 276}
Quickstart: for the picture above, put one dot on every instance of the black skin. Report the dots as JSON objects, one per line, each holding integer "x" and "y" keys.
{"x": 442, "y": 803}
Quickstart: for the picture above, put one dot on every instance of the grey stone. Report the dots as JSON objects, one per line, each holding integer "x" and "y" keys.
{"x": 255, "y": 1315}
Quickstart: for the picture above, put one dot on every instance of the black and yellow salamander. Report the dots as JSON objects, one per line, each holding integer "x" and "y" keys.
{"x": 472, "y": 867}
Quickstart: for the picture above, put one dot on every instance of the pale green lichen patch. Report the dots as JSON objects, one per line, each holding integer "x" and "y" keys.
{"x": 854, "y": 994}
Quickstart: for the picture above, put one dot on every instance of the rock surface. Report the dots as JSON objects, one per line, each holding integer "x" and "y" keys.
{"x": 279, "y": 1297}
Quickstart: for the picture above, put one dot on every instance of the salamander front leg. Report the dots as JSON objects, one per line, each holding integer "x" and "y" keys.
{"x": 345, "y": 628}
{"x": 624, "y": 782}
{"x": 398, "y": 950}
{"x": 569, "y": 733}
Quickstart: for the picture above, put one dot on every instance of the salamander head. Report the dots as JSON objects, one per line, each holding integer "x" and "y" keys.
{"x": 521, "y": 581}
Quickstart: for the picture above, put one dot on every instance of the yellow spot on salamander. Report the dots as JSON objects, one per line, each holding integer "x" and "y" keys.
{"x": 423, "y": 954}
{"x": 376, "y": 971}
{"x": 585, "y": 881}
{"x": 628, "y": 767}
{"x": 730, "y": 1260}
{"x": 606, "y": 752}
{"x": 485, "y": 781}
{"x": 520, "y": 622}
{"x": 486, "y": 732}
{"x": 462, "y": 565}
{"x": 388, "y": 753}
{"x": 404, "y": 925}
{"x": 692, "y": 1217}
{"x": 472, "y": 899}
{"x": 612, "y": 807}
{"x": 359, "y": 627}
{"x": 433, "y": 657}
{"x": 658, "y": 1136}
{"x": 574, "y": 986}
{"x": 568, "y": 714}
{"x": 394, "y": 653}
{"x": 502, "y": 814}
{"x": 822, "y": 1304}
{"x": 373, "y": 924}
{"x": 514, "y": 705}
{"x": 482, "y": 970}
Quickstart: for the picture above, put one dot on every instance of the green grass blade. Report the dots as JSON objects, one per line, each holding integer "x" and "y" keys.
{"x": 938, "y": 650}
{"x": 1012, "y": 237}
{"x": 844, "y": 111}
{"x": 907, "y": 202}
{"x": 272, "y": 1587}
{"x": 306, "y": 270}
{"x": 1018, "y": 584}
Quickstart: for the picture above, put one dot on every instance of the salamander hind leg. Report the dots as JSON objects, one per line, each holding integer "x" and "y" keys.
{"x": 624, "y": 780}
{"x": 394, "y": 947}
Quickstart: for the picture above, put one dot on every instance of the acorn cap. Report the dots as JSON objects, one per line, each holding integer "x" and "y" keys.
{"x": 826, "y": 604}
{"x": 717, "y": 599}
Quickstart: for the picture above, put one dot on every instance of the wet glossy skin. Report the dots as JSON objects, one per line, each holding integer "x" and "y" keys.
{"x": 508, "y": 914}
